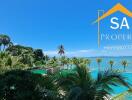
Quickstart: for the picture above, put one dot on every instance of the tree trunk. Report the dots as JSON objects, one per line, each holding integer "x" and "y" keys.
{"x": 111, "y": 67}
{"x": 99, "y": 67}
{"x": 124, "y": 68}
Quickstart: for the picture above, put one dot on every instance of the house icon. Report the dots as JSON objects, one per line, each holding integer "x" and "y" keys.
{"x": 118, "y": 7}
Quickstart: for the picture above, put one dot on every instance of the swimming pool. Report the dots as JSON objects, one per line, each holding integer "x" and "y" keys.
{"x": 119, "y": 89}
{"x": 39, "y": 71}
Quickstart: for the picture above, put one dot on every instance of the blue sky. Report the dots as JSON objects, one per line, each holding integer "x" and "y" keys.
{"x": 48, "y": 23}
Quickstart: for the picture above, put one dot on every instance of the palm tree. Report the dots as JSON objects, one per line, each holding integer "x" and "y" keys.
{"x": 61, "y": 50}
{"x": 111, "y": 62}
{"x": 46, "y": 57}
{"x": 53, "y": 62}
{"x": 5, "y": 41}
{"x": 75, "y": 60}
{"x": 124, "y": 63}
{"x": 0, "y": 43}
{"x": 87, "y": 62}
{"x": 64, "y": 61}
{"x": 99, "y": 60}
{"x": 68, "y": 61}
{"x": 79, "y": 85}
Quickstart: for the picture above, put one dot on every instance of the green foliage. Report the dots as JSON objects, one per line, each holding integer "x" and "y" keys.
{"x": 81, "y": 86}
{"x": 53, "y": 62}
{"x": 23, "y": 85}
{"x": 4, "y": 40}
{"x": 111, "y": 62}
{"x": 28, "y": 56}
{"x": 64, "y": 60}
{"x": 99, "y": 60}
{"x": 38, "y": 54}
{"x": 9, "y": 62}
{"x": 78, "y": 61}
{"x": 17, "y": 50}
{"x": 124, "y": 63}
{"x": 39, "y": 63}
{"x": 77, "y": 84}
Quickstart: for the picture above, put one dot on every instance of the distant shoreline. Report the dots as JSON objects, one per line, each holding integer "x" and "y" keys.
{"x": 105, "y": 57}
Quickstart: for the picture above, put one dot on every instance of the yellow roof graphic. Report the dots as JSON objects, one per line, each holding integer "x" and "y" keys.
{"x": 117, "y": 7}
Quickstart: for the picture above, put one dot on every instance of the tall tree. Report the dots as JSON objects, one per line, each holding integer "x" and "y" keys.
{"x": 99, "y": 60}
{"x": 87, "y": 62}
{"x": 79, "y": 85}
{"x": 5, "y": 40}
{"x": 0, "y": 42}
{"x": 38, "y": 54}
{"x": 61, "y": 50}
{"x": 125, "y": 64}
{"x": 111, "y": 62}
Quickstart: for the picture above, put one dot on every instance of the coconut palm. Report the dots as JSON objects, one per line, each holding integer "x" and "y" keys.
{"x": 87, "y": 62}
{"x": 53, "y": 62}
{"x": 70, "y": 62}
{"x": 61, "y": 50}
{"x": 99, "y": 60}
{"x": 0, "y": 44}
{"x": 78, "y": 61}
{"x": 79, "y": 85}
{"x": 125, "y": 64}
{"x": 46, "y": 57}
{"x": 111, "y": 62}
{"x": 64, "y": 61}
{"x": 1, "y": 38}
{"x": 5, "y": 40}
{"x": 74, "y": 60}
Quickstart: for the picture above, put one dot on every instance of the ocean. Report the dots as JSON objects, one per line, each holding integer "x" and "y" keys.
{"x": 117, "y": 63}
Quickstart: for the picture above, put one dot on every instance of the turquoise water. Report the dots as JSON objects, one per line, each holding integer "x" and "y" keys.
{"x": 118, "y": 89}
{"x": 105, "y": 65}
{"x": 39, "y": 71}
{"x": 117, "y": 63}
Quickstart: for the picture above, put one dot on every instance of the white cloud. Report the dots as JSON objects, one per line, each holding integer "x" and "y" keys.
{"x": 15, "y": 43}
{"x": 51, "y": 53}
{"x": 92, "y": 53}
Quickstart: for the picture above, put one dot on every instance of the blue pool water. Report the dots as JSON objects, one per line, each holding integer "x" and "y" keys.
{"x": 119, "y": 89}
{"x": 117, "y": 65}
